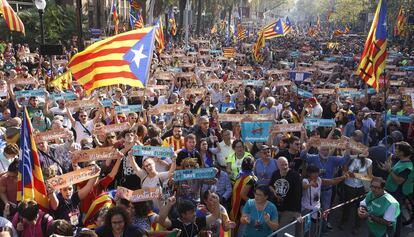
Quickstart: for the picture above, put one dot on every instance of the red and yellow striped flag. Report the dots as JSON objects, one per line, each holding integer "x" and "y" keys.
{"x": 229, "y": 52}
{"x": 401, "y": 23}
{"x": 116, "y": 20}
{"x": 260, "y": 43}
{"x": 171, "y": 19}
{"x": 12, "y": 19}
{"x": 30, "y": 184}
{"x": 372, "y": 62}
{"x": 121, "y": 59}
{"x": 159, "y": 35}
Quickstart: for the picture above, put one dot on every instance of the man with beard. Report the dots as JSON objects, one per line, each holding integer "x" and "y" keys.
{"x": 176, "y": 140}
{"x": 327, "y": 165}
{"x": 358, "y": 124}
{"x": 286, "y": 185}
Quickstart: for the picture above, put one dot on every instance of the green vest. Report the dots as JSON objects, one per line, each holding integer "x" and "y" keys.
{"x": 407, "y": 186}
{"x": 378, "y": 207}
{"x": 232, "y": 159}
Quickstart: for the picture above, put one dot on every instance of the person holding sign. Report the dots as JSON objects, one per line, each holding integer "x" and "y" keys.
{"x": 83, "y": 128}
{"x": 65, "y": 204}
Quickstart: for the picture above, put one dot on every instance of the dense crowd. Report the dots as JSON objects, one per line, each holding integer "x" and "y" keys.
{"x": 258, "y": 186}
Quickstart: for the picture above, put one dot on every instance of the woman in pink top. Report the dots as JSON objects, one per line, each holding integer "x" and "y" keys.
{"x": 30, "y": 221}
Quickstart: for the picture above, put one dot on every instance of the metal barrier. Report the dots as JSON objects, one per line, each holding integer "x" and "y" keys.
{"x": 289, "y": 230}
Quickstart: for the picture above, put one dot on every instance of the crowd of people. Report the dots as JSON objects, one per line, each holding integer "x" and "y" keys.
{"x": 259, "y": 186}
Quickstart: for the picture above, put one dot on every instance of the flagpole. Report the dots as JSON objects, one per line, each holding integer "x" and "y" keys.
{"x": 386, "y": 113}
{"x": 108, "y": 22}
{"x": 186, "y": 10}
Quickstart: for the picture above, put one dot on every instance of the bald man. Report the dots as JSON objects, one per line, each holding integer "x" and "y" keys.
{"x": 286, "y": 185}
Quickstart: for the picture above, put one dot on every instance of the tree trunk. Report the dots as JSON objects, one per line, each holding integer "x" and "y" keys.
{"x": 182, "y": 7}
{"x": 199, "y": 7}
{"x": 230, "y": 10}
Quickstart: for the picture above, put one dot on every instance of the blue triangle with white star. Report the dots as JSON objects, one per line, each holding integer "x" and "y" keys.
{"x": 139, "y": 56}
{"x": 278, "y": 27}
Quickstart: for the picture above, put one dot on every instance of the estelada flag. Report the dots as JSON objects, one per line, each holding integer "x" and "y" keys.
{"x": 373, "y": 58}
{"x": 121, "y": 59}
{"x": 62, "y": 82}
{"x": 12, "y": 19}
{"x": 401, "y": 23}
{"x": 159, "y": 35}
{"x": 30, "y": 182}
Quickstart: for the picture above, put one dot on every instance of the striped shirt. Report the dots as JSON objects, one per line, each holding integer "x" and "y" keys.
{"x": 172, "y": 141}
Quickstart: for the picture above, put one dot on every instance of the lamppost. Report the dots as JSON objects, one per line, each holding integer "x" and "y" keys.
{"x": 41, "y": 5}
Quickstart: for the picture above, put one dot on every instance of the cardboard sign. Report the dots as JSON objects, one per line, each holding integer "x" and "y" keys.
{"x": 283, "y": 128}
{"x": 52, "y": 135}
{"x": 76, "y": 104}
{"x": 187, "y": 65}
{"x": 340, "y": 143}
{"x": 318, "y": 91}
{"x": 244, "y": 68}
{"x": 128, "y": 108}
{"x": 281, "y": 83}
{"x": 207, "y": 69}
{"x": 23, "y": 81}
{"x": 140, "y": 195}
{"x": 351, "y": 93}
{"x": 102, "y": 153}
{"x": 73, "y": 177}
{"x": 213, "y": 81}
{"x": 167, "y": 76}
{"x": 184, "y": 75}
{"x": 255, "y": 131}
{"x": 30, "y": 93}
{"x": 70, "y": 95}
{"x": 246, "y": 117}
{"x": 407, "y": 90}
{"x": 276, "y": 72}
{"x": 166, "y": 108}
{"x": 399, "y": 118}
{"x": 111, "y": 128}
{"x": 191, "y": 174}
{"x": 156, "y": 151}
{"x": 106, "y": 103}
{"x": 364, "y": 177}
{"x": 320, "y": 122}
{"x": 253, "y": 82}
{"x": 158, "y": 87}
{"x": 194, "y": 91}
{"x": 233, "y": 82}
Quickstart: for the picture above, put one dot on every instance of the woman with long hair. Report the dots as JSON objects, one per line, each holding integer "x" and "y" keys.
{"x": 118, "y": 224}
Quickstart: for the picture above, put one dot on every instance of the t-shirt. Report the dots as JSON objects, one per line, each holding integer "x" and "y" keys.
{"x": 148, "y": 182}
{"x": 257, "y": 226}
{"x": 264, "y": 172}
{"x": 30, "y": 230}
{"x": 126, "y": 176}
{"x": 289, "y": 188}
{"x": 191, "y": 229}
{"x": 357, "y": 167}
{"x": 81, "y": 133}
{"x": 58, "y": 111}
{"x": 68, "y": 209}
{"x": 311, "y": 198}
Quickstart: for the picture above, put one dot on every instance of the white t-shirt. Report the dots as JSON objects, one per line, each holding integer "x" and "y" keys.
{"x": 147, "y": 182}
{"x": 225, "y": 151}
{"x": 80, "y": 130}
{"x": 215, "y": 96}
{"x": 58, "y": 111}
{"x": 317, "y": 111}
{"x": 356, "y": 167}
{"x": 312, "y": 196}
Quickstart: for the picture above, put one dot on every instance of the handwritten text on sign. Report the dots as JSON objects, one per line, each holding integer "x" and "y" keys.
{"x": 73, "y": 177}
{"x": 320, "y": 122}
{"x": 52, "y": 135}
{"x": 204, "y": 173}
{"x": 156, "y": 151}
{"x": 139, "y": 195}
{"x": 111, "y": 128}
{"x": 128, "y": 108}
{"x": 282, "y": 128}
{"x": 30, "y": 93}
{"x": 105, "y": 153}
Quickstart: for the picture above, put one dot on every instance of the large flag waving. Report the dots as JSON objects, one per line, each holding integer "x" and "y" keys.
{"x": 373, "y": 57}
{"x": 401, "y": 23}
{"x": 159, "y": 35}
{"x": 30, "y": 184}
{"x": 12, "y": 19}
{"x": 287, "y": 26}
{"x": 121, "y": 59}
{"x": 273, "y": 30}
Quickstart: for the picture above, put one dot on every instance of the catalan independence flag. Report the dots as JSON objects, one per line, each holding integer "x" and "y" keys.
{"x": 241, "y": 32}
{"x": 30, "y": 184}
{"x": 401, "y": 23}
{"x": 135, "y": 15}
{"x": 12, "y": 19}
{"x": 171, "y": 19}
{"x": 372, "y": 62}
{"x": 121, "y": 59}
{"x": 115, "y": 18}
{"x": 287, "y": 27}
{"x": 274, "y": 30}
{"x": 159, "y": 35}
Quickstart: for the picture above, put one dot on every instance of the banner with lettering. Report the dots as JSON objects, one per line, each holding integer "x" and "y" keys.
{"x": 140, "y": 195}
{"x": 253, "y": 82}
{"x": 240, "y": 117}
{"x": 30, "y": 93}
{"x": 70, "y": 95}
{"x": 156, "y": 151}
{"x": 304, "y": 93}
{"x": 311, "y": 122}
{"x": 282, "y": 128}
{"x": 128, "y": 108}
{"x": 23, "y": 81}
{"x": 340, "y": 143}
{"x": 52, "y": 135}
{"x": 101, "y": 153}
{"x": 76, "y": 104}
{"x": 73, "y": 177}
{"x": 399, "y": 118}
{"x": 119, "y": 127}
{"x": 166, "y": 108}
{"x": 191, "y": 174}
{"x": 255, "y": 131}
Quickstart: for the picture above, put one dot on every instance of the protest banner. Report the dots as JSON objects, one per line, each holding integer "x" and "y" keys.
{"x": 207, "y": 69}
{"x": 101, "y": 153}
{"x": 283, "y": 128}
{"x": 187, "y": 65}
{"x": 399, "y": 118}
{"x": 299, "y": 76}
{"x": 320, "y": 122}
{"x": 119, "y": 127}
{"x": 73, "y": 177}
{"x": 156, "y": 151}
{"x": 281, "y": 83}
{"x": 213, "y": 81}
{"x": 167, "y": 76}
{"x": 23, "y": 81}
{"x": 77, "y": 104}
{"x": 106, "y": 103}
{"x": 166, "y": 108}
{"x": 191, "y": 174}
{"x": 340, "y": 144}
{"x": 396, "y": 83}
{"x": 253, "y": 82}
{"x": 407, "y": 90}
{"x": 128, "y": 108}
{"x": 255, "y": 131}
{"x": 240, "y": 117}
{"x": 351, "y": 93}
{"x": 30, "y": 93}
{"x": 158, "y": 87}
{"x": 194, "y": 91}
{"x": 304, "y": 93}
{"x": 184, "y": 75}
{"x": 233, "y": 82}
{"x": 318, "y": 91}
{"x": 70, "y": 95}
{"x": 244, "y": 68}
{"x": 276, "y": 72}
{"x": 51, "y": 135}
{"x": 140, "y": 195}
